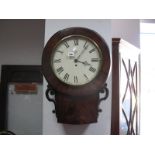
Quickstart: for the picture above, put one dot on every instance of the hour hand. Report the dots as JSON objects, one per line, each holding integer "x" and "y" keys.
{"x": 83, "y": 62}
{"x": 81, "y": 52}
{"x": 86, "y": 63}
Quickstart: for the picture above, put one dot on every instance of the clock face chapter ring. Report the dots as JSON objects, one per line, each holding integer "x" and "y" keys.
{"x": 76, "y": 61}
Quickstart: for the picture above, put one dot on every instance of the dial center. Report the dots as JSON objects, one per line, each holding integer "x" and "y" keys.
{"x": 75, "y": 60}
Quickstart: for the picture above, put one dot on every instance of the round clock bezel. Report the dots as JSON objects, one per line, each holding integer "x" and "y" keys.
{"x": 76, "y": 36}
{"x": 89, "y": 88}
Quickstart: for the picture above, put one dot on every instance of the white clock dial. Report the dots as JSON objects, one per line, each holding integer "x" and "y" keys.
{"x": 76, "y": 60}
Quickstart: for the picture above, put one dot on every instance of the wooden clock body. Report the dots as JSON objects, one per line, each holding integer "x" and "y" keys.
{"x": 76, "y": 104}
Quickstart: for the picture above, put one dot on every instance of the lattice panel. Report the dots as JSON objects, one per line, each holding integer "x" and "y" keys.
{"x": 129, "y": 97}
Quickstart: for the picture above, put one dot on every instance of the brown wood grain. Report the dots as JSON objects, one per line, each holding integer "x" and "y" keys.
{"x": 76, "y": 104}
{"x": 125, "y": 88}
{"x": 86, "y": 89}
{"x": 115, "y": 87}
{"x": 77, "y": 110}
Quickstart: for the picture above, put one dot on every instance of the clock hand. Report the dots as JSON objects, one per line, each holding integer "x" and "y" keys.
{"x": 83, "y": 62}
{"x": 86, "y": 63}
{"x": 81, "y": 52}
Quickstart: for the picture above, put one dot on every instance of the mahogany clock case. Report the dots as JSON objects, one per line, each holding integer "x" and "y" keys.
{"x": 90, "y": 88}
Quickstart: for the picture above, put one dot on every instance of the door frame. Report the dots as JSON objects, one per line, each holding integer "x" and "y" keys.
{"x": 15, "y": 73}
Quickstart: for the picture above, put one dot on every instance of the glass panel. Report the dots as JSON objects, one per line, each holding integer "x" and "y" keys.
{"x": 128, "y": 100}
{"x": 25, "y": 111}
{"x": 124, "y": 99}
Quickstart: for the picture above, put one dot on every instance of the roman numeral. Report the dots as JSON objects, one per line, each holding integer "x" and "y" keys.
{"x": 66, "y": 77}
{"x": 60, "y": 70}
{"x": 75, "y": 79}
{"x": 76, "y": 42}
{"x": 86, "y": 76}
{"x": 95, "y": 59}
{"x": 66, "y": 44}
{"x": 92, "y": 50}
{"x": 57, "y": 60}
{"x": 85, "y": 45}
{"x": 92, "y": 69}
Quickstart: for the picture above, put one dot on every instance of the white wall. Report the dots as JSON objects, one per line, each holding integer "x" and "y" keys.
{"x": 21, "y": 42}
{"x": 50, "y": 125}
{"x": 127, "y": 29}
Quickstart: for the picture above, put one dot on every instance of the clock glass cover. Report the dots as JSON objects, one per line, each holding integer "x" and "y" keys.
{"x": 76, "y": 60}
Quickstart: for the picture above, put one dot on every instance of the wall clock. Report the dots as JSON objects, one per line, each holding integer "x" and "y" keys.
{"x": 76, "y": 63}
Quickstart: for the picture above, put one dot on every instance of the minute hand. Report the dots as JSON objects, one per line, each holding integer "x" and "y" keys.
{"x": 81, "y": 53}
{"x": 83, "y": 62}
